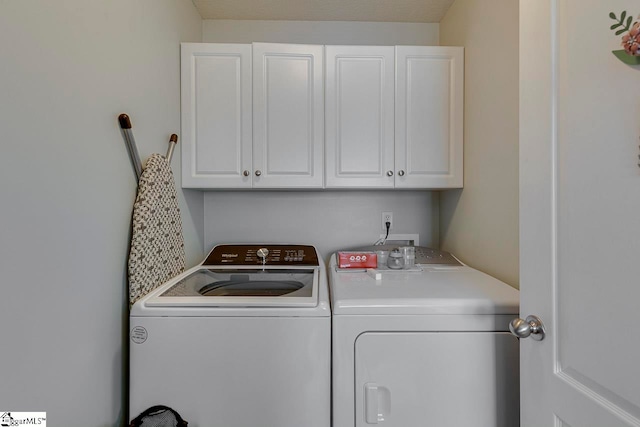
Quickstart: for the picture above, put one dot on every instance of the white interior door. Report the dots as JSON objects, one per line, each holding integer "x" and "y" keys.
{"x": 580, "y": 216}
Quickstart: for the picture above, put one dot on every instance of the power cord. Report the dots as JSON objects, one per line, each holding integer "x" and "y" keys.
{"x": 383, "y": 240}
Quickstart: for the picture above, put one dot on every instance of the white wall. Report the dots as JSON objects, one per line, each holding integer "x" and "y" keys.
{"x": 68, "y": 69}
{"x": 330, "y": 220}
{"x": 480, "y": 222}
{"x": 325, "y": 32}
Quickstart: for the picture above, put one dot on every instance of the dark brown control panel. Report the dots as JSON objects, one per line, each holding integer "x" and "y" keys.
{"x": 252, "y": 255}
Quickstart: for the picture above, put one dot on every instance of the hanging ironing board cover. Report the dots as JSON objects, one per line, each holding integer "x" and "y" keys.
{"x": 157, "y": 245}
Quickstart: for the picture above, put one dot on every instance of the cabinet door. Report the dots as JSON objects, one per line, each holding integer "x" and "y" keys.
{"x": 412, "y": 379}
{"x": 288, "y": 109}
{"x": 429, "y": 117}
{"x": 359, "y": 116}
{"x": 216, "y": 115}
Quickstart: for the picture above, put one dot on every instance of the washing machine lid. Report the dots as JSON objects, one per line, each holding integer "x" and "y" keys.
{"x": 436, "y": 289}
{"x": 247, "y": 275}
{"x": 239, "y": 287}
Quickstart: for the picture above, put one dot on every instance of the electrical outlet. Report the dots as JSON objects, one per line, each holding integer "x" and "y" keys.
{"x": 387, "y": 217}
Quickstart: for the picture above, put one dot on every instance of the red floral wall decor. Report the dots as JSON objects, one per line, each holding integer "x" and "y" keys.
{"x": 630, "y": 31}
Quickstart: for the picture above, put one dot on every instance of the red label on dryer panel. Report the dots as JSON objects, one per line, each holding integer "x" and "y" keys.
{"x": 357, "y": 260}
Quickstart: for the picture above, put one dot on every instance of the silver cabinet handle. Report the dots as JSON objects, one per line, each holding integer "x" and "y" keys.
{"x": 389, "y": 173}
{"x": 258, "y": 173}
{"x": 401, "y": 173}
{"x": 246, "y": 173}
{"x": 533, "y": 327}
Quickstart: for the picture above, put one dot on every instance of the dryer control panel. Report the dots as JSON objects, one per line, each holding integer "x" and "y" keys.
{"x": 267, "y": 255}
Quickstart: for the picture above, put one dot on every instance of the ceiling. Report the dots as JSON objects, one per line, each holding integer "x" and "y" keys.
{"x": 427, "y": 11}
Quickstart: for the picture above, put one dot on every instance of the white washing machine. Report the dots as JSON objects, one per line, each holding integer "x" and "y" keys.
{"x": 244, "y": 339}
{"x": 427, "y": 347}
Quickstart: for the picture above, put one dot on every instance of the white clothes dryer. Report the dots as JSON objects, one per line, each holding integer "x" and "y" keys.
{"x": 427, "y": 347}
{"x": 243, "y": 339}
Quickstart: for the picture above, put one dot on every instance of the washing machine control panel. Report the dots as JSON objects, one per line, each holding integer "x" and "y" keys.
{"x": 259, "y": 254}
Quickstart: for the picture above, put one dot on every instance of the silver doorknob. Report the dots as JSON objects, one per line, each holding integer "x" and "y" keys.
{"x": 523, "y": 328}
{"x": 401, "y": 173}
{"x": 246, "y": 173}
{"x": 389, "y": 173}
{"x": 258, "y": 173}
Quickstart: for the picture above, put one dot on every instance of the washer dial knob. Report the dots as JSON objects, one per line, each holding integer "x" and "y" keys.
{"x": 262, "y": 254}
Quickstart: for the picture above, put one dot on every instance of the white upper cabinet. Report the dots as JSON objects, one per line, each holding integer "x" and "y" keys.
{"x": 394, "y": 121}
{"x": 216, "y": 115}
{"x": 429, "y": 117}
{"x": 288, "y": 116}
{"x": 359, "y": 116}
{"x": 254, "y": 116}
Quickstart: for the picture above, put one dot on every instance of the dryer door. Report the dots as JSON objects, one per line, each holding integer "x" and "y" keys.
{"x": 409, "y": 379}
